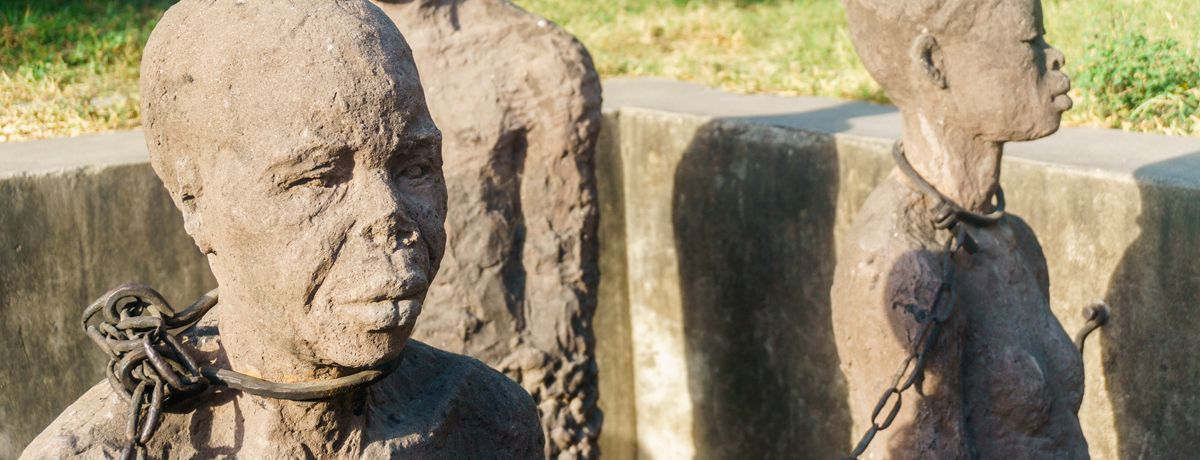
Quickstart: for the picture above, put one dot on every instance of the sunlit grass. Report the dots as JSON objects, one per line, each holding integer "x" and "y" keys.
{"x": 801, "y": 47}
{"x": 69, "y": 66}
{"x": 784, "y": 47}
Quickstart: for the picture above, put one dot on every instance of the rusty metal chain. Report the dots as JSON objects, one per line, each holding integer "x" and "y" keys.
{"x": 960, "y": 224}
{"x": 1095, "y": 316}
{"x": 149, "y": 367}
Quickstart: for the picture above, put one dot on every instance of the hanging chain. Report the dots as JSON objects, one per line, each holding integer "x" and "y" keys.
{"x": 959, "y": 223}
{"x": 149, "y": 367}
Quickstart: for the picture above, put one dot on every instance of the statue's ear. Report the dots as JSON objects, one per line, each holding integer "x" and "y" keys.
{"x": 193, "y": 224}
{"x": 927, "y": 60}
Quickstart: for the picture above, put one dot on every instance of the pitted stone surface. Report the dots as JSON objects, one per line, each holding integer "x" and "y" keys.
{"x": 518, "y": 102}
{"x": 1003, "y": 379}
{"x": 294, "y": 137}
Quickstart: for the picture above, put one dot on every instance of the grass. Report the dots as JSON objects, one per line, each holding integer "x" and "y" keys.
{"x": 70, "y": 67}
{"x": 801, "y": 47}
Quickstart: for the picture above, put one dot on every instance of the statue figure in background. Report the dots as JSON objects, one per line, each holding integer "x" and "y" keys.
{"x": 518, "y": 102}
{"x": 294, "y": 137}
{"x": 934, "y": 277}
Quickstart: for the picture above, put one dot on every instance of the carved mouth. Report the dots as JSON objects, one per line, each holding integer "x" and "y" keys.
{"x": 1062, "y": 102}
{"x": 383, "y": 315}
{"x": 373, "y": 291}
{"x": 1060, "y": 98}
{"x": 383, "y": 305}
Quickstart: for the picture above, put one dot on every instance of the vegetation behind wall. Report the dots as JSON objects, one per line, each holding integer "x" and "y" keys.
{"x": 69, "y": 67}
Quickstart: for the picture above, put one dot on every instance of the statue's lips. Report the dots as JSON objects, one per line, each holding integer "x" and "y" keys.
{"x": 382, "y": 315}
{"x": 1063, "y": 102}
{"x": 1060, "y": 99}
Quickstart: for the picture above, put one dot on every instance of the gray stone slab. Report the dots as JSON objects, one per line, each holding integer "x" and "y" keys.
{"x": 1092, "y": 150}
{"x": 66, "y": 153}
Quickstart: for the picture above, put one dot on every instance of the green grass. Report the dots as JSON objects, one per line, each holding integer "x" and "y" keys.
{"x": 70, "y": 67}
{"x": 801, "y": 47}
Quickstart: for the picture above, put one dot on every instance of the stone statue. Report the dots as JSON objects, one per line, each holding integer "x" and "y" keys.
{"x": 1002, "y": 379}
{"x": 518, "y": 102}
{"x": 295, "y": 138}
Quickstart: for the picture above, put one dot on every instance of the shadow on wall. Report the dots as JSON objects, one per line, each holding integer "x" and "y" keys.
{"x": 753, "y": 212}
{"x": 1151, "y": 343}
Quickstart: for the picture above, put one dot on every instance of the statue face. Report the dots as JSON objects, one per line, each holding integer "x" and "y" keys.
{"x": 1004, "y": 81}
{"x": 329, "y": 230}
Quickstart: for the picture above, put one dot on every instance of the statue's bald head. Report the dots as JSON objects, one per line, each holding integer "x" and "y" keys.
{"x": 887, "y": 33}
{"x": 294, "y": 136}
{"x": 884, "y": 31}
{"x": 228, "y": 78}
{"x": 981, "y": 65}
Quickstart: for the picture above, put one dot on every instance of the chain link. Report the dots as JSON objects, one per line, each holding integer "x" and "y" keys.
{"x": 149, "y": 367}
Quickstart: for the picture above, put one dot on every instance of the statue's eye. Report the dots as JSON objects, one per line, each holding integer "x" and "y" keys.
{"x": 309, "y": 181}
{"x": 415, "y": 172}
{"x": 324, "y": 176}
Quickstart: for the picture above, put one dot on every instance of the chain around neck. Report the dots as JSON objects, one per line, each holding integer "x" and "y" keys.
{"x": 149, "y": 366}
{"x": 947, "y": 212}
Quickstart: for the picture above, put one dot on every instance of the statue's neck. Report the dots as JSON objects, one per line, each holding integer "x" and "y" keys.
{"x": 280, "y": 428}
{"x": 276, "y": 428}
{"x": 958, "y": 164}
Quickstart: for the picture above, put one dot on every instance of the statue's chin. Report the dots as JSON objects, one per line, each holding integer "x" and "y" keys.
{"x": 363, "y": 350}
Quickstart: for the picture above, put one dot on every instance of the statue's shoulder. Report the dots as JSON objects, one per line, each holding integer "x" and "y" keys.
{"x": 89, "y": 428}
{"x": 890, "y": 254}
{"x": 889, "y": 222}
{"x": 94, "y": 427}
{"x": 445, "y": 404}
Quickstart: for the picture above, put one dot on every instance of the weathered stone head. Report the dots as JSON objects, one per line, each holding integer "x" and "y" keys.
{"x": 983, "y": 65}
{"x": 294, "y": 137}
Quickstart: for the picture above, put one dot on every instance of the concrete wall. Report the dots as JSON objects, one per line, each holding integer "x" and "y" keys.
{"x": 721, "y": 216}
{"x": 733, "y": 207}
{"x": 77, "y": 217}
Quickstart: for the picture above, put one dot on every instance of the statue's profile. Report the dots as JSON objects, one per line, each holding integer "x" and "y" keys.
{"x": 295, "y": 139}
{"x": 932, "y": 246}
{"x": 518, "y": 103}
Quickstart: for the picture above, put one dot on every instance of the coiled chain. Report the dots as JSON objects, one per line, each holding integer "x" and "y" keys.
{"x": 147, "y": 364}
{"x": 149, "y": 367}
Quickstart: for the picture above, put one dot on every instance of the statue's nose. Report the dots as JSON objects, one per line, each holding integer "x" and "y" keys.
{"x": 386, "y": 220}
{"x": 1055, "y": 59}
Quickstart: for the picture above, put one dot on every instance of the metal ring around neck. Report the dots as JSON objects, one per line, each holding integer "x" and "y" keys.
{"x": 176, "y": 323}
{"x": 959, "y": 214}
{"x": 304, "y": 391}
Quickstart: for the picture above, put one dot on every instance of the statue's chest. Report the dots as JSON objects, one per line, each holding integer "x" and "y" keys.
{"x": 1019, "y": 364}
{"x": 1000, "y": 289}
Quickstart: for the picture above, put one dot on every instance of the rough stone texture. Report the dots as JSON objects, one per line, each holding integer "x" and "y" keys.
{"x": 295, "y": 139}
{"x": 1089, "y": 194}
{"x": 436, "y": 405}
{"x": 1003, "y": 379}
{"x": 518, "y": 102}
{"x": 614, "y": 352}
{"x": 67, "y": 233}
{"x": 1100, "y": 201}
